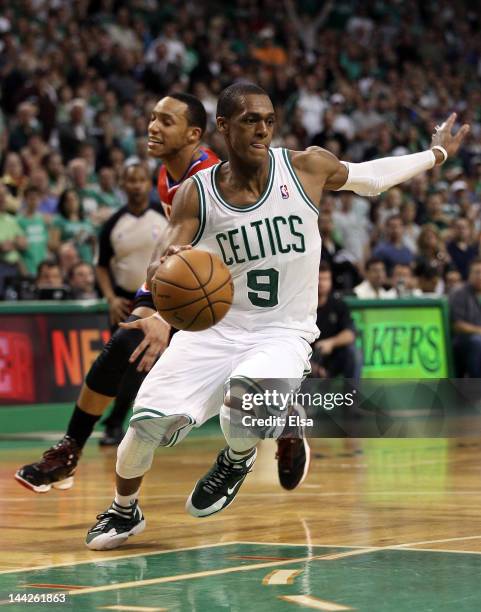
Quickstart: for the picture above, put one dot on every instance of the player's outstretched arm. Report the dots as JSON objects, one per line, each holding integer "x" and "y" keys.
{"x": 373, "y": 177}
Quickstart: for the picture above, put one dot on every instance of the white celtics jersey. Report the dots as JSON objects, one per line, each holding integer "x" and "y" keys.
{"x": 272, "y": 249}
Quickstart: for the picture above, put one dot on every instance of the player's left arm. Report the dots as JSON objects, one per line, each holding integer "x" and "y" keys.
{"x": 373, "y": 177}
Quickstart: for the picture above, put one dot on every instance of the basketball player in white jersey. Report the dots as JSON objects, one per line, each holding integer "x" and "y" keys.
{"x": 258, "y": 212}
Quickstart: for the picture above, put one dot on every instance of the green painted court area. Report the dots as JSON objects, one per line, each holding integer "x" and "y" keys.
{"x": 237, "y": 577}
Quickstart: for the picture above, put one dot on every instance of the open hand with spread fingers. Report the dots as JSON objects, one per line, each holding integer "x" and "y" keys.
{"x": 156, "y": 338}
{"x": 444, "y": 139}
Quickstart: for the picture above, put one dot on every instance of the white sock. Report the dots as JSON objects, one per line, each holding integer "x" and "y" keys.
{"x": 235, "y": 457}
{"x": 125, "y": 501}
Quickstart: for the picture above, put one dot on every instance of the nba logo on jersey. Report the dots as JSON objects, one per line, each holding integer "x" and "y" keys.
{"x": 284, "y": 192}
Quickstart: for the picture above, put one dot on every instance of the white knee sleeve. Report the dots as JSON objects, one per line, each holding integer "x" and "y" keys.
{"x": 136, "y": 451}
{"x": 237, "y": 444}
{"x": 135, "y": 454}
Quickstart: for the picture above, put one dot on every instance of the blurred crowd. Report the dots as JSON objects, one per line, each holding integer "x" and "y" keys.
{"x": 363, "y": 79}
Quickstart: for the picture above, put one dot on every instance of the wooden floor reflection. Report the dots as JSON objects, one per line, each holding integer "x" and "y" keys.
{"x": 422, "y": 493}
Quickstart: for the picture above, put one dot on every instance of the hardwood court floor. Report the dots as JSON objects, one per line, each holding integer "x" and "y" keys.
{"x": 378, "y": 525}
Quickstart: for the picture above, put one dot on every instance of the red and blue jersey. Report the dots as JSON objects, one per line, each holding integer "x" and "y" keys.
{"x": 167, "y": 187}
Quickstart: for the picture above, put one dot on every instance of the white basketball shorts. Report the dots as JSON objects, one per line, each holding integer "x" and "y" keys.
{"x": 190, "y": 375}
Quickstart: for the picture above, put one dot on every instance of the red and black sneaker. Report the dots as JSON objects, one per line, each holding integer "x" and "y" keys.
{"x": 293, "y": 458}
{"x": 55, "y": 469}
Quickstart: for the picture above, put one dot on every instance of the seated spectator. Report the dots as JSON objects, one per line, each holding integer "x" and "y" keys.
{"x": 390, "y": 205}
{"x": 330, "y": 245}
{"x": 373, "y": 286}
{"x": 345, "y": 275}
{"x": 434, "y": 213}
{"x": 70, "y": 224}
{"x": 33, "y": 154}
{"x": 392, "y": 250}
{"x": 67, "y": 257}
{"x": 74, "y": 132}
{"x": 78, "y": 172}
{"x": 452, "y": 280}
{"x": 81, "y": 280}
{"x": 411, "y": 229}
{"x": 48, "y": 202}
{"x": 466, "y": 321}
{"x": 24, "y": 126}
{"x": 49, "y": 283}
{"x": 404, "y": 282}
{"x": 109, "y": 195}
{"x": 35, "y": 229}
{"x": 12, "y": 242}
{"x": 351, "y": 223}
{"x": 267, "y": 52}
{"x": 428, "y": 280}
{"x": 15, "y": 180}
{"x": 57, "y": 178}
{"x": 335, "y": 353}
{"x": 461, "y": 248}
{"x": 431, "y": 248}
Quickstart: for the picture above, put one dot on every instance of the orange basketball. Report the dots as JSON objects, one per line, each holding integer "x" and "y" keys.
{"x": 192, "y": 290}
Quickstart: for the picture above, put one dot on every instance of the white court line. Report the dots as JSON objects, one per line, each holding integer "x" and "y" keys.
{"x": 359, "y": 550}
{"x": 458, "y": 539}
{"x": 102, "y": 559}
{"x": 180, "y": 577}
{"x": 308, "y": 601}
{"x": 367, "y": 548}
{"x": 444, "y": 550}
{"x": 245, "y": 568}
{"x": 305, "y": 545}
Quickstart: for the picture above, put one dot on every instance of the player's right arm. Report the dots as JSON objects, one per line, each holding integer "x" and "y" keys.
{"x": 181, "y": 230}
{"x": 183, "y": 226}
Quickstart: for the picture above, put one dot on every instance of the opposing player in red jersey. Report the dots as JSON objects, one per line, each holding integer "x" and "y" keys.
{"x": 176, "y": 128}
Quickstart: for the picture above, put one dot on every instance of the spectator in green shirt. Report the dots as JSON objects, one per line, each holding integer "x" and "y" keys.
{"x": 12, "y": 242}
{"x": 109, "y": 197}
{"x": 78, "y": 172}
{"x": 35, "y": 229}
{"x": 70, "y": 224}
{"x": 108, "y": 193}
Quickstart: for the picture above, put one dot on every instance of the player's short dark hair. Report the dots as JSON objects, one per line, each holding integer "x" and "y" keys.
{"x": 324, "y": 267}
{"x": 373, "y": 261}
{"x": 229, "y": 98}
{"x": 196, "y": 115}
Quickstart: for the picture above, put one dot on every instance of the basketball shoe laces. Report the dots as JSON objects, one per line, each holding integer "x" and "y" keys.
{"x": 63, "y": 450}
{"x": 104, "y": 518}
{"x": 222, "y": 474}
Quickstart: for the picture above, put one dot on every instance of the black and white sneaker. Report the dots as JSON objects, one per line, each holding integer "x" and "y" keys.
{"x": 55, "y": 469}
{"x": 217, "y": 489}
{"x": 115, "y": 526}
